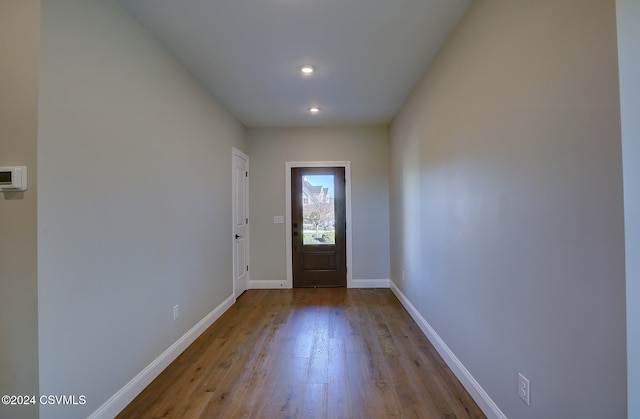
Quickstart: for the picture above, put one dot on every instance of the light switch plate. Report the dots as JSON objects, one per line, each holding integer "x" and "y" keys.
{"x": 278, "y": 219}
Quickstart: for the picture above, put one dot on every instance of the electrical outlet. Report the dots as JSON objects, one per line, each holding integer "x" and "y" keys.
{"x": 524, "y": 389}
{"x": 176, "y": 311}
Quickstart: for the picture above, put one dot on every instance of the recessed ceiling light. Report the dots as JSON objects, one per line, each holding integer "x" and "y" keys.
{"x": 314, "y": 110}
{"x": 307, "y": 70}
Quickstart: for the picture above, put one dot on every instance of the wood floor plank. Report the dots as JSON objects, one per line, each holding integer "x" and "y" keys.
{"x": 315, "y": 401}
{"x": 308, "y": 353}
{"x": 339, "y": 403}
{"x": 288, "y": 388}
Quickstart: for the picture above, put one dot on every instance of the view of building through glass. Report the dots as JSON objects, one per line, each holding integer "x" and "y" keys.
{"x": 318, "y": 210}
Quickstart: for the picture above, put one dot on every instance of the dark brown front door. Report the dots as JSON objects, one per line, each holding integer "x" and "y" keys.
{"x": 318, "y": 226}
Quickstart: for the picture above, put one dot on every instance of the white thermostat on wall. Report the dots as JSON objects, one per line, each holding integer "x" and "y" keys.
{"x": 13, "y": 178}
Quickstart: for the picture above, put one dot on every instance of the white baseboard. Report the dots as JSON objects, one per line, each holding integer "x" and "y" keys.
{"x": 369, "y": 283}
{"x": 126, "y": 394}
{"x": 257, "y": 284}
{"x": 488, "y": 406}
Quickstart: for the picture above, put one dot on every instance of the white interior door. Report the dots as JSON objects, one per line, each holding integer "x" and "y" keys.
{"x": 240, "y": 222}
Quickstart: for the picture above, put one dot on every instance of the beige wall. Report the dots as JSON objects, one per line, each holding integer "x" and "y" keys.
{"x": 367, "y": 150}
{"x": 628, "y": 12}
{"x": 19, "y": 44}
{"x": 509, "y": 155}
{"x": 134, "y": 201}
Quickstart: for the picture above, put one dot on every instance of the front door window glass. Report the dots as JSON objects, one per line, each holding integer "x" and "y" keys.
{"x": 318, "y": 210}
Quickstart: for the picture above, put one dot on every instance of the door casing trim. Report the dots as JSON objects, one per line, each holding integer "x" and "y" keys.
{"x": 347, "y": 192}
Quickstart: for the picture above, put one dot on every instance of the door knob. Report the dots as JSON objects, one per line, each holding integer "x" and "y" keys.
{"x": 238, "y": 237}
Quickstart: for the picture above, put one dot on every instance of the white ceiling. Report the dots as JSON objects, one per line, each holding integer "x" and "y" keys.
{"x": 368, "y": 54}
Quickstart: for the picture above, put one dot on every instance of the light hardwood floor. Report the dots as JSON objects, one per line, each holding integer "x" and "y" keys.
{"x": 308, "y": 353}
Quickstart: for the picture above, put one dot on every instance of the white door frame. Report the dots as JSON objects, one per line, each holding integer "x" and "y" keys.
{"x": 347, "y": 195}
{"x": 237, "y": 153}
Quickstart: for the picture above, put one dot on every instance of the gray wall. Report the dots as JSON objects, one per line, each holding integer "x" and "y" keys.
{"x": 133, "y": 204}
{"x": 629, "y": 58}
{"x": 19, "y": 43}
{"x": 365, "y": 147}
{"x": 509, "y": 154}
